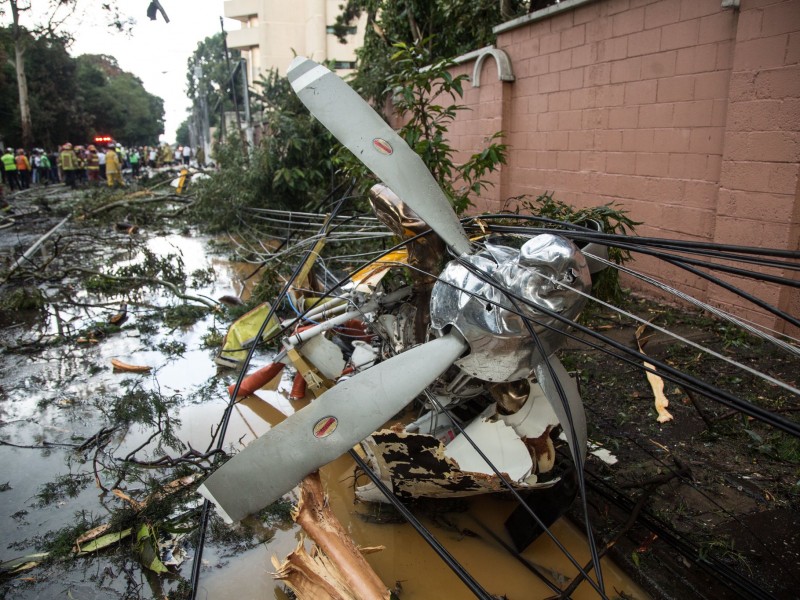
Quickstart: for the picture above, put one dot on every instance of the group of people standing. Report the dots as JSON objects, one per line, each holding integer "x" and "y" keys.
{"x": 19, "y": 171}
{"x": 91, "y": 165}
{"x": 86, "y": 165}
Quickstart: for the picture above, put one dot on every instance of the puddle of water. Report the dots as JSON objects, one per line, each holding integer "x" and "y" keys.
{"x": 58, "y": 396}
{"x": 408, "y": 559}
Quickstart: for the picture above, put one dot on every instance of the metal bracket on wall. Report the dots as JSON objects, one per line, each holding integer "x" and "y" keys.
{"x": 730, "y": 3}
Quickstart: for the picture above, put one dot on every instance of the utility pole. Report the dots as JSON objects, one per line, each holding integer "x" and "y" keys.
{"x": 248, "y": 128}
{"x": 203, "y": 127}
{"x": 231, "y": 83}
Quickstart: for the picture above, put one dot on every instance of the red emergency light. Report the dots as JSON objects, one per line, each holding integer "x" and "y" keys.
{"x": 103, "y": 139}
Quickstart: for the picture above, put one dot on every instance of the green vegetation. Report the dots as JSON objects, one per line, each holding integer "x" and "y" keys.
{"x": 208, "y": 73}
{"x": 22, "y": 298}
{"x": 443, "y": 29}
{"x": 72, "y": 99}
{"x": 424, "y": 98}
{"x": 183, "y": 315}
{"x": 290, "y": 169}
{"x": 150, "y": 409}
{"x": 65, "y": 486}
{"x": 610, "y": 217}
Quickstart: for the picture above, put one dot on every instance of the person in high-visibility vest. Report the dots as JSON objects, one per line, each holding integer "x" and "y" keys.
{"x": 10, "y": 168}
{"x": 23, "y": 169}
{"x": 68, "y": 163}
{"x": 44, "y": 168}
{"x": 113, "y": 168}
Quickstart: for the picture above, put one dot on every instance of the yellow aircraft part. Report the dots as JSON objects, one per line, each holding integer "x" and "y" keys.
{"x": 243, "y": 331}
{"x": 182, "y": 180}
{"x": 372, "y": 274}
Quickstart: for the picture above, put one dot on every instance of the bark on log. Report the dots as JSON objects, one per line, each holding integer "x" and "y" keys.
{"x": 335, "y": 568}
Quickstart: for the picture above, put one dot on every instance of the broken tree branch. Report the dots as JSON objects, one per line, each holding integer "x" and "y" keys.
{"x": 29, "y": 252}
{"x": 338, "y": 570}
{"x": 169, "y": 285}
{"x": 134, "y": 201}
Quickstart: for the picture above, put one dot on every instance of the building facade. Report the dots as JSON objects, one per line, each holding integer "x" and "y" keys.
{"x": 274, "y": 32}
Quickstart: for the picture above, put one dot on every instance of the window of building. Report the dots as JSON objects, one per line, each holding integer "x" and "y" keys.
{"x": 344, "y": 64}
{"x": 349, "y": 30}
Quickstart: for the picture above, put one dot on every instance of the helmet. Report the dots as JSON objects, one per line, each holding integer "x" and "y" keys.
{"x": 67, "y": 146}
{"x": 91, "y": 148}
{"x": 20, "y": 151}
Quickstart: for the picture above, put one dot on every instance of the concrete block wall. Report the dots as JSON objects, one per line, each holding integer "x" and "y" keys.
{"x": 683, "y": 112}
{"x": 758, "y": 188}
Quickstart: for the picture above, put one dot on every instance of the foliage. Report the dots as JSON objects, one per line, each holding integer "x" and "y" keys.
{"x": 425, "y": 100}
{"x": 611, "y": 218}
{"x": 132, "y": 115}
{"x": 59, "y": 544}
{"x": 23, "y": 298}
{"x": 28, "y": 27}
{"x": 183, "y": 315}
{"x": 446, "y": 28}
{"x": 214, "y": 79}
{"x": 289, "y": 169}
{"x": 64, "y": 486}
{"x": 76, "y": 98}
{"x": 182, "y": 133}
{"x": 149, "y": 409}
{"x": 169, "y": 267}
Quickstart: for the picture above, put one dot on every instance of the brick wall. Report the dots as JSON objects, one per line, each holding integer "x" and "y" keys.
{"x": 685, "y": 113}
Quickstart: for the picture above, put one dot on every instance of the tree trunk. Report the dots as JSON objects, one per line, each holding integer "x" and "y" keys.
{"x": 24, "y": 103}
{"x": 22, "y": 79}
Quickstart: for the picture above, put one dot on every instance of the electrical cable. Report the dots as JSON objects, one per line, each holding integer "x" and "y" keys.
{"x": 206, "y": 511}
{"x": 440, "y": 550}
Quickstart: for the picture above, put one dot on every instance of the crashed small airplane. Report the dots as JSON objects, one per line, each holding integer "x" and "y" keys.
{"x": 475, "y": 342}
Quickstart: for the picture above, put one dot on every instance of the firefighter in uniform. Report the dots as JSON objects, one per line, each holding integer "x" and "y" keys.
{"x": 113, "y": 168}
{"x": 93, "y": 165}
{"x": 10, "y": 168}
{"x": 67, "y": 162}
{"x": 23, "y": 170}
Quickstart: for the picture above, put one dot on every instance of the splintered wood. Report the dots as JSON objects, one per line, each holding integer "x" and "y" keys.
{"x": 656, "y": 383}
{"x": 334, "y": 567}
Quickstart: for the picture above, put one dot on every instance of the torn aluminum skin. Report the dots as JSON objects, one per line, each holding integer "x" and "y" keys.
{"x": 501, "y": 347}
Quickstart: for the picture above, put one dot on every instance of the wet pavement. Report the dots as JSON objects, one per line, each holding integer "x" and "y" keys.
{"x": 54, "y": 399}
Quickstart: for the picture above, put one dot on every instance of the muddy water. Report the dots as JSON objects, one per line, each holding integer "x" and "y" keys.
{"x": 57, "y": 397}
{"x": 406, "y": 558}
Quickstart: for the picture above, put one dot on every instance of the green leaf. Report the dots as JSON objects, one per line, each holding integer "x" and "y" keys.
{"x": 147, "y": 545}
{"x": 104, "y": 541}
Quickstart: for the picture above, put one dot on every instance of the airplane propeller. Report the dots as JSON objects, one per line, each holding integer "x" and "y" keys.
{"x": 347, "y": 413}
{"x": 326, "y": 428}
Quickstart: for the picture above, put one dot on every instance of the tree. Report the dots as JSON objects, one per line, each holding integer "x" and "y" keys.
{"x": 182, "y": 134}
{"x": 290, "y": 168}
{"x": 425, "y": 97}
{"x": 54, "y": 16}
{"x": 76, "y": 98}
{"x": 208, "y": 72}
{"x": 447, "y": 27}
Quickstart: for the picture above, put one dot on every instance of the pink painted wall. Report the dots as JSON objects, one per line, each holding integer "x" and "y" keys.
{"x": 685, "y": 113}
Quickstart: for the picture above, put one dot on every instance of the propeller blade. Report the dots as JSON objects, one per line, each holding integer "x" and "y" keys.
{"x": 358, "y": 127}
{"x": 574, "y": 401}
{"x": 327, "y": 428}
